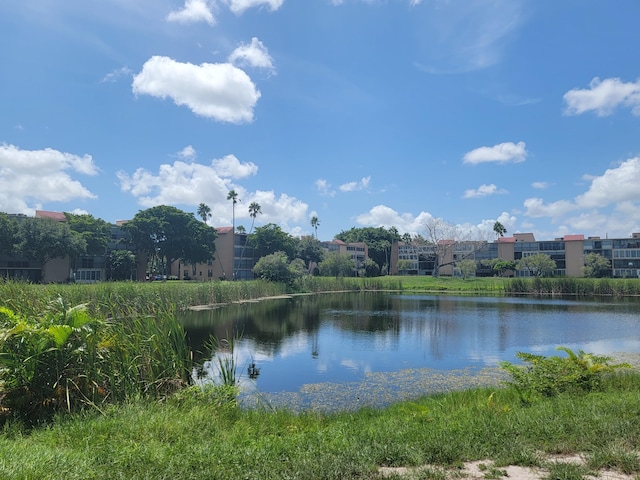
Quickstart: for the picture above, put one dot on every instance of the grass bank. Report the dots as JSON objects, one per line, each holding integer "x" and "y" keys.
{"x": 201, "y": 434}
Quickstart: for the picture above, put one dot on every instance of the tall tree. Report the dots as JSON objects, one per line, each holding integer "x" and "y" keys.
{"x": 122, "y": 264}
{"x": 377, "y": 239}
{"x": 499, "y": 229}
{"x": 168, "y": 233}
{"x": 233, "y": 196}
{"x": 204, "y": 212}
{"x": 270, "y": 238}
{"x": 8, "y": 231}
{"x": 254, "y": 210}
{"x": 95, "y": 231}
{"x": 43, "y": 239}
{"x": 314, "y": 224}
{"x": 596, "y": 266}
{"x": 310, "y": 251}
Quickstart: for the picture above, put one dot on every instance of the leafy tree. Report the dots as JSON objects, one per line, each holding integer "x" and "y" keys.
{"x": 43, "y": 239}
{"x": 314, "y": 224}
{"x": 95, "y": 231}
{"x": 337, "y": 265}
{"x": 270, "y": 238}
{"x": 310, "y": 251}
{"x": 596, "y": 266}
{"x": 377, "y": 239}
{"x": 168, "y": 233}
{"x": 122, "y": 263}
{"x": 241, "y": 229}
{"x": 404, "y": 265}
{"x": 500, "y": 266}
{"x": 8, "y": 231}
{"x": 204, "y": 212}
{"x": 274, "y": 267}
{"x": 370, "y": 268}
{"x": 467, "y": 267}
{"x": 499, "y": 229}
{"x": 538, "y": 265}
{"x": 406, "y": 237}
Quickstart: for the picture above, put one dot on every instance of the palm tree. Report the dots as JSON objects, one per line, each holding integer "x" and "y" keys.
{"x": 499, "y": 229}
{"x": 241, "y": 229}
{"x": 204, "y": 212}
{"x": 314, "y": 224}
{"x": 254, "y": 210}
{"x": 233, "y": 195}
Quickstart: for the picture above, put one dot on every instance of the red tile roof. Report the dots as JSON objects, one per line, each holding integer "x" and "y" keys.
{"x": 568, "y": 238}
{"x": 54, "y": 215}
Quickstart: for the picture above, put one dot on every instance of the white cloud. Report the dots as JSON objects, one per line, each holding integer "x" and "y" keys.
{"x": 615, "y": 185}
{"x": 220, "y": 90}
{"x": 193, "y": 11}
{"x": 191, "y": 183}
{"x": 500, "y": 153}
{"x": 30, "y": 177}
{"x": 253, "y": 55}
{"x": 540, "y": 185}
{"x": 383, "y": 216}
{"x": 239, "y": 6}
{"x": 324, "y": 187}
{"x": 356, "y": 186}
{"x": 537, "y": 208}
{"x": 115, "y": 75}
{"x": 483, "y": 191}
{"x": 603, "y": 97}
{"x": 188, "y": 153}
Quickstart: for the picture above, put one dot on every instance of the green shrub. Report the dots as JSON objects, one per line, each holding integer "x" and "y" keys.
{"x": 549, "y": 376}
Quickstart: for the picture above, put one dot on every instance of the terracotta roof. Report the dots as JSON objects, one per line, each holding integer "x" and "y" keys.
{"x": 54, "y": 215}
{"x": 569, "y": 238}
{"x": 224, "y": 229}
{"x": 506, "y": 240}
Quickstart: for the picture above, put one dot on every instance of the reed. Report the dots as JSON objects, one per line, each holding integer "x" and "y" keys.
{"x": 617, "y": 287}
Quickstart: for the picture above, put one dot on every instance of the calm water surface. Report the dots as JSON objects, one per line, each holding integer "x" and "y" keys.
{"x": 342, "y": 338}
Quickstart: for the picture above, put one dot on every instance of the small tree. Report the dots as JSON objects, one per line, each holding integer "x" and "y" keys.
{"x": 538, "y": 265}
{"x": 274, "y": 267}
{"x": 499, "y": 229}
{"x": 596, "y": 266}
{"x": 204, "y": 212}
{"x": 405, "y": 265}
{"x": 314, "y": 224}
{"x": 467, "y": 267}
{"x": 122, "y": 264}
{"x": 337, "y": 265}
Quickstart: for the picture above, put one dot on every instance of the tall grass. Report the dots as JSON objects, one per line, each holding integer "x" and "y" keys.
{"x": 617, "y": 287}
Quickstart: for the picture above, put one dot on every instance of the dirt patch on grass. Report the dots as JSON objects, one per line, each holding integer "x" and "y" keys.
{"x": 485, "y": 469}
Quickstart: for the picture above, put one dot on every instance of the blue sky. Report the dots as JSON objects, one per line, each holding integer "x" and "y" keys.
{"x": 360, "y": 112}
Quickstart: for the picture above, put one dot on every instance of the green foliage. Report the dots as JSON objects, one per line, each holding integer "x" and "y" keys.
{"x": 43, "y": 239}
{"x": 274, "y": 268}
{"x": 550, "y": 376}
{"x": 378, "y": 240}
{"x": 169, "y": 233}
{"x": 310, "y": 251}
{"x": 538, "y": 265}
{"x": 467, "y": 268}
{"x": 8, "y": 231}
{"x": 596, "y": 266}
{"x": 122, "y": 264}
{"x": 337, "y": 265}
{"x": 95, "y": 231}
{"x": 370, "y": 268}
{"x": 270, "y": 238}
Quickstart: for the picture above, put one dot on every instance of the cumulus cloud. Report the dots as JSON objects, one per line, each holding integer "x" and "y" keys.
{"x": 214, "y": 90}
{"x": 187, "y": 152}
{"x": 193, "y": 11}
{"x": 190, "y": 183}
{"x": 603, "y": 97}
{"x": 618, "y": 184}
{"x": 500, "y": 153}
{"x": 31, "y": 177}
{"x": 254, "y": 55}
{"x": 356, "y": 186}
{"x": 239, "y": 6}
{"x": 540, "y": 185}
{"x": 536, "y": 207}
{"x": 383, "y": 216}
{"x": 483, "y": 191}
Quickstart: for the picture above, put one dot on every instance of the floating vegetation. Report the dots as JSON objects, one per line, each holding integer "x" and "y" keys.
{"x": 377, "y": 389}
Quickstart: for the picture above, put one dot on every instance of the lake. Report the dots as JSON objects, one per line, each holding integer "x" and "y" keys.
{"x": 350, "y": 349}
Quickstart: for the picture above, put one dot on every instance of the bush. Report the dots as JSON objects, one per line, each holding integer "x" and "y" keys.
{"x": 550, "y": 376}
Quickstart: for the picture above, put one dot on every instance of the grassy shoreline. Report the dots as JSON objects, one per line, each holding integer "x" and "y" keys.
{"x": 202, "y": 433}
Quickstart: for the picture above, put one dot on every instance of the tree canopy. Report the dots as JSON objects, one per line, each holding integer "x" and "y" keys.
{"x": 538, "y": 265}
{"x": 168, "y": 233}
{"x": 95, "y": 231}
{"x": 337, "y": 265}
{"x": 596, "y": 266}
{"x": 43, "y": 239}
{"x": 269, "y": 239}
{"x": 377, "y": 239}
